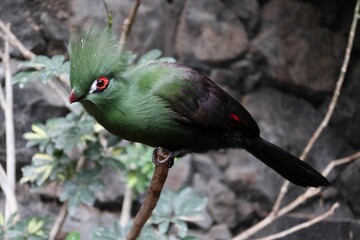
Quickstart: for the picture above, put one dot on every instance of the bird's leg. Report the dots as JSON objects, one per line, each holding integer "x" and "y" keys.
{"x": 161, "y": 156}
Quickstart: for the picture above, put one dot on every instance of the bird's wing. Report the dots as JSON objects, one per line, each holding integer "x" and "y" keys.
{"x": 199, "y": 101}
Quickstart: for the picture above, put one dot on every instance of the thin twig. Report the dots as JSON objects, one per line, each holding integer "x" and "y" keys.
{"x": 59, "y": 222}
{"x": 2, "y": 95}
{"x": 126, "y": 207}
{"x": 340, "y": 161}
{"x": 151, "y": 199}
{"x": 60, "y": 219}
{"x": 331, "y": 106}
{"x": 56, "y": 87}
{"x": 9, "y": 194}
{"x": 108, "y": 15}
{"x": 302, "y": 225}
{"x": 11, "y": 207}
{"x": 14, "y": 41}
{"x": 2, "y": 98}
{"x": 126, "y": 28}
{"x": 309, "y": 193}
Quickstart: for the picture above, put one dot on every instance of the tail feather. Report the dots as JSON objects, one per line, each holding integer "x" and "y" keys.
{"x": 286, "y": 164}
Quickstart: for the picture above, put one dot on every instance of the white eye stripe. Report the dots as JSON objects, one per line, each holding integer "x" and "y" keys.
{"x": 93, "y": 87}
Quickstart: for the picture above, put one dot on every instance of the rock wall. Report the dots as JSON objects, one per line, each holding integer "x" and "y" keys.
{"x": 280, "y": 58}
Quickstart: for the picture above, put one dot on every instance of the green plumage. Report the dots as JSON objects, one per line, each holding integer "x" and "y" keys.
{"x": 131, "y": 105}
{"x": 169, "y": 105}
{"x": 93, "y": 54}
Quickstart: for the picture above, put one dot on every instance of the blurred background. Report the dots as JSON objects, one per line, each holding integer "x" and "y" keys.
{"x": 280, "y": 58}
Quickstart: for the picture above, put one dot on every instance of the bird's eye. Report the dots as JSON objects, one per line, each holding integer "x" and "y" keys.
{"x": 102, "y": 83}
{"x": 99, "y": 85}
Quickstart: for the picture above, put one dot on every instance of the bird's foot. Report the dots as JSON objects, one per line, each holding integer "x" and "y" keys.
{"x": 161, "y": 156}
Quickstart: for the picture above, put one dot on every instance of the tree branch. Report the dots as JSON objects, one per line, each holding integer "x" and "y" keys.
{"x": 302, "y": 225}
{"x": 331, "y": 106}
{"x": 14, "y": 41}
{"x": 11, "y": 207}
{"x": 152, "y": 197}
{"x": 126, "y": 28}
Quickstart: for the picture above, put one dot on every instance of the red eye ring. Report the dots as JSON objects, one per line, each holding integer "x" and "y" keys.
{"x": 102, "y": 83}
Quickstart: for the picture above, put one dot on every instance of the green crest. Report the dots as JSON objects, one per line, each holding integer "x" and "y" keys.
{"x": 95, "y": 53}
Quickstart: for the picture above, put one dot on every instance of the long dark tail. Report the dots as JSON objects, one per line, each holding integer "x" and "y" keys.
{"x": 286, "y": 164}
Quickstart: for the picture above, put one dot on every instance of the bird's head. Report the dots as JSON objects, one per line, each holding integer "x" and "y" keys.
{"x": 95, "y": 62}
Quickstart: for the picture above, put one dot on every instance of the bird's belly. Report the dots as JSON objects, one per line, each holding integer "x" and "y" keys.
{"x": 172, "y": 137}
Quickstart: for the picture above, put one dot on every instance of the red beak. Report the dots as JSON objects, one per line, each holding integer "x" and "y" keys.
{"x": 72, "y": 97}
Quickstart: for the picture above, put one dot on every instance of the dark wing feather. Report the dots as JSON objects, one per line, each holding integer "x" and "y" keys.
{"x": 199, "y": 101}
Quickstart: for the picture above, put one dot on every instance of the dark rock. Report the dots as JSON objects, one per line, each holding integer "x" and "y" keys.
{"x": 246, "y": 210}
{"x": 40, "y": 26}
{"x": 246, "y": 10}
{"x": 250, "y": 178}
{"x": 221, "y": 200}
{"x": 54, "y": 29}
{"x": 200, "y": 184}
{"x": 179, "y": 175}
{"x": 288, "y": 124}
{"x": 220, "y": 159}
{"x": 17, "y": 13}
{"x": 113, "y": 189}
{"x": 222, "y": 203}
{"x": 205, "y": 165}
{"x": 206, "y": 222}
{"x": 219, "y": 232}
{"x": 346, "y": 118}
{"x": 150, "y": 29}
{"x": 56, "y": 32}
{"x": 291, "y": 122}
{"x": 227, "y": 80}
{"x": 350, "y": 186}
{"x": 298, "y": 50}
{"x": 223, "y": 77}
{"x": 209, "y": 32}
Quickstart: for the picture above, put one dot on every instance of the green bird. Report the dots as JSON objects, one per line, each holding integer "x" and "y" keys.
{"x": 169, "y": 105}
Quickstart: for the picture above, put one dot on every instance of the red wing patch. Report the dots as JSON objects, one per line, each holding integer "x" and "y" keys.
{"x": 235, "y": 119}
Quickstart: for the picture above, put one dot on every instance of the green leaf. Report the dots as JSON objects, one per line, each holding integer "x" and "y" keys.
{"x": 73, "y": 236}
{"x": 164, "y": 227}
{"x": 81, "y": 189}
{"x": 41, "y": 68}
{"x": 164, "y": 207}
{"x": 113, "y": 140}
{"x": 132, "y": 179}
{"x": 39, "y": 130}
{"x": 31, "y": 228}
{"x": 40, "y": 170}
{"x": 35, "y": 225}
{"x": 188, "y": 204}
{"x": 149, "y": 56}
{"x": 190, "y": 238}
{"x": 181, "y": 228}
{"x": 150, "y": 233}
{"x": 117, "y": 232}
{"x": 73, "y": 203}
{"x": 2, "y": 220}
